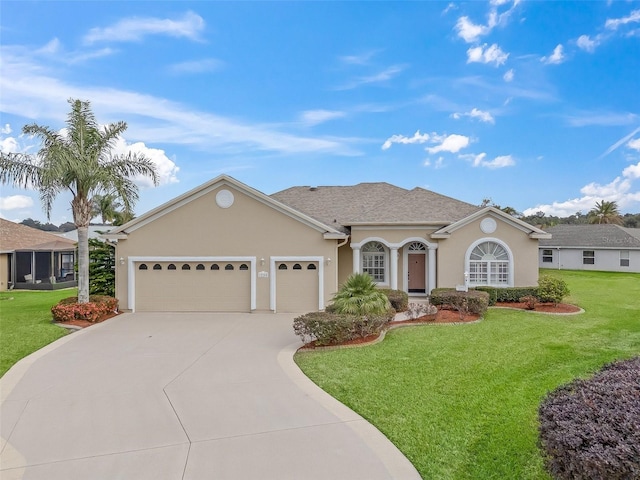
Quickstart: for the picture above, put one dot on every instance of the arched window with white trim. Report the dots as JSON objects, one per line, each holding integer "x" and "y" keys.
{"x": 490, "y": 264}
{"x": 374, "y": 261}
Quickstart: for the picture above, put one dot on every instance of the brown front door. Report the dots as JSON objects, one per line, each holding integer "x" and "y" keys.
{"x": 416, "y": 273}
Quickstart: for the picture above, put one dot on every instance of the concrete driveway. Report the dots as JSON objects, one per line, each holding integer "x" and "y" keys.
{"x": 179, "y": 397}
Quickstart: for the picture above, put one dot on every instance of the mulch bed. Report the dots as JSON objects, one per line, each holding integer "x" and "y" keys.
{"x": 560, "y": 308}
{"x": 86, "y": 323}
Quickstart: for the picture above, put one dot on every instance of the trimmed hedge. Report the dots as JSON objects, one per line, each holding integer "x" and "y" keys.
{"x": 328, "y": 328}
{"x": 508, "y": 294}
{"x": 473, "y": 301}
{"x": 398, "y": 299}
{"x": 590, "y": 429}
{"x": 552, "y": 289}
{"x": 69, "y": 309}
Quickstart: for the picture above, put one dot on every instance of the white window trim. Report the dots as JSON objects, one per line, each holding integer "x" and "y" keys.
{"x": 274, "y": 271}
{"x": 467, "y": 258}
{"x": 131, "y": 276}
{"x": 387, "y": 258}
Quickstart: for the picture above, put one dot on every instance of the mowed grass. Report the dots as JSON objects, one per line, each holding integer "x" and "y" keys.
{"x": 25, "y": 323}
{"x": 460, "y": 401}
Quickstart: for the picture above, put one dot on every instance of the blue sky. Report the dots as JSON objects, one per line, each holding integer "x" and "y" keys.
{"x": 535, "y": 105}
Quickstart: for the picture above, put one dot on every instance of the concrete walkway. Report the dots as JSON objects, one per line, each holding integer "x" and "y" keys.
{"x": 181, "y": 397}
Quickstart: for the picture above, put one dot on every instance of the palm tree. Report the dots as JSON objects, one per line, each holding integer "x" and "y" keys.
{"x": 106, "y": 207}
{"x": 605, "y": 212}
{"x": 79, "y": 160}
{"x": 359, "y": 296}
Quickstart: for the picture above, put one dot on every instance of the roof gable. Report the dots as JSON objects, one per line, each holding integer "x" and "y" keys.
{"x": 533, "y": 232}
{"x": 593, "y": 236}
{"x": 14, "y": 236}
{"x": 194, "y": 194}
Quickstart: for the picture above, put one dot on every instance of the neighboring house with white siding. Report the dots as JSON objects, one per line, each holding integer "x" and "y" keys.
{"x": 609, "y": 248}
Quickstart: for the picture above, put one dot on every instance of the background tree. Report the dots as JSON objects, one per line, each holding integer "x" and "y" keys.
{"x": 605, "y": 212}
{"x": 105, "y": 207}
{"x": 79, "y": 160}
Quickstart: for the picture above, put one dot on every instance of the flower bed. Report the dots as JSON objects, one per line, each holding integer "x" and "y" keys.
{"x": 99, "y": 306}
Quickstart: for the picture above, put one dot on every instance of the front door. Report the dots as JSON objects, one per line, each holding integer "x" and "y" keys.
{"x": 417, "y": 283}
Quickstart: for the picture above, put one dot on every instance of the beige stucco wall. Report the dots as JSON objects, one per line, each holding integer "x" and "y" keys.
{"x": 248, "y": 228}
{"x": 452, "y": 252}
{"x": 4, "y": 271}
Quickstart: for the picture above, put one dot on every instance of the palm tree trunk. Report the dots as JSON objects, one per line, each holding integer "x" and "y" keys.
{"x": 83, "y": 264}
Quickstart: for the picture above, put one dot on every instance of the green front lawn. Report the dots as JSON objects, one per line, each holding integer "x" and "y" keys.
{"x": 460, "y": 401}
{"x": 25, "y": 323}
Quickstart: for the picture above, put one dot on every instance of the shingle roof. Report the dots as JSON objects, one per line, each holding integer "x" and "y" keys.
{"x": 14, "y": 236}
{"x": 374, "y": 203}
{"x": 595, "y": 236}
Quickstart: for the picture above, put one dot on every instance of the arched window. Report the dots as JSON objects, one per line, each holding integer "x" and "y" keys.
{"x": 228, "y": 266}
{"x": 200, "y": 267}
{"x": 171, "y": 267}
{"x": 244, "y": 267}
{"x": 417, "y": 247}
{"x": 143, "y": 266}
{"x": 311, "y": 266}
{"x": 186, "y": 266}
{"x": 282, "y": 266}
{"x": 374, "y": 261}
{"x": 215, "y": 267}
{"x": 297, "y": 266}
{"x": 157, "y": 266}
{"x": 489, "y": 264}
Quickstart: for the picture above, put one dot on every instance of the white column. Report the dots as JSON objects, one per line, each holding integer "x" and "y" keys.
{"x": 393, "y": 274}
{"x": 432, "y": 269}
{"x": 356, "y": 259}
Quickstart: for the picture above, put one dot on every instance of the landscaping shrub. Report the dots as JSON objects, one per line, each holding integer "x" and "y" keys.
{"x": 334, "y": 328}
{"x": 508, "y": 294}
{"x": 473, "y": 301}
{"x": 530, "y": 301}
{"x": 590, "y": 429}
{"x": 552, "y": 289}
{"x": 359, "y": 296}
{"x": 69, "y": 309}
{"x": 398, "y": 299}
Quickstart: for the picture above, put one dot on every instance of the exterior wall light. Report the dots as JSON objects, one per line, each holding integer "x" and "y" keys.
{"x": 328, "y": 261}
{"x": 121, "y": 260}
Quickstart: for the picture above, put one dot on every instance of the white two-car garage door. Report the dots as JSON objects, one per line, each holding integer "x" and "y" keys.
{"x": 220, "y": 286}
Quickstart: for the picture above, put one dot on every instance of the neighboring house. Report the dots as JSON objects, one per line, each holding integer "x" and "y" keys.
{"x": 35, "y": 260}
{"x": 94, "y": 232}
{"x": 225, "y": 246}
{"x": 591, "y": 247}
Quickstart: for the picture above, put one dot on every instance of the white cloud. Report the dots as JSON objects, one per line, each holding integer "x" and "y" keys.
{"x": 508, "y": 76}
{"x": 476, "y": 113}
{"x": 196, "y": 66}
{"x": 614, "y": 23}
{"x": 634, "y": 144}
{"x": 6, "y": 130}
{"x": 556, "y": 57}
{"x": 587, "y": 44}
{"x": 481, "y": 54}
{"x": 29, "y": 90}
{"x": 133, "y": 29}
{"x": 620, "y": 190}
{"x": 479, "y": 160}
{"x": 316, "y": 117}
{"x": 452, "y": 143}
{"x": 9, "y": 145}
{"x": 379, "y": 77}
{"x": 361, "y": 59}
{"x": 166, "y": 169}
{"x": 417, "y": 138}
{"x": 15, "y": 202}
{"x": 607, "y": 119}
{"x": 469, "y": 31}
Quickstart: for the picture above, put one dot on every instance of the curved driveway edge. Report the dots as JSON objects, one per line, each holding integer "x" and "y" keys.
{"x": 182, "y": 396}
